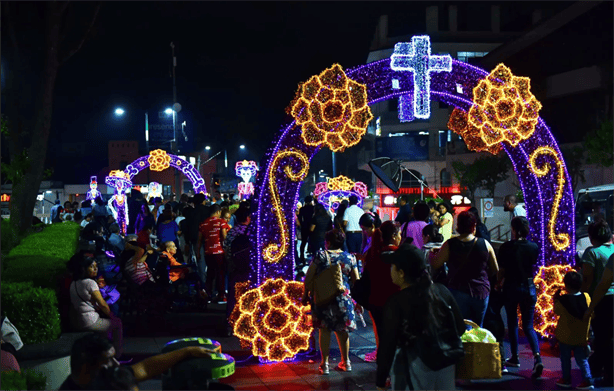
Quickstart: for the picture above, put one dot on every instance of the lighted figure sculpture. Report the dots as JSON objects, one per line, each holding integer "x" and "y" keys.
{"x": 495, "y": 111}
{"x": 93, "y": 192}
{"x": 121, "y": 182}
{"x": 246, "y": 170}
{"x": 154, "y": 190}
{"x": 338, "y": 189}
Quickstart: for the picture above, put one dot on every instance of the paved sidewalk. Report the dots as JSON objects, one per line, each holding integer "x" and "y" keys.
{"x": 302, "y": 374}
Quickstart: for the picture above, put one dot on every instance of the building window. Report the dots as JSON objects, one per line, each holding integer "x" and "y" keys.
{"x": 465, "y": 56}
{"x": 445, "y": 177}
{"x": 167, "y": 190}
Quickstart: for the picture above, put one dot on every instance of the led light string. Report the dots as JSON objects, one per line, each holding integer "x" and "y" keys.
{"x": 560, "y": 241}
{"x": 274, "y": 251}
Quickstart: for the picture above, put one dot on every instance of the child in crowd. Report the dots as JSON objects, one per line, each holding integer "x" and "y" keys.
{"x": 571, "y": 331}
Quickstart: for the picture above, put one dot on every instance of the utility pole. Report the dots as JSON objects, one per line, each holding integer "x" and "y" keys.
{"x": 176, "y": 109}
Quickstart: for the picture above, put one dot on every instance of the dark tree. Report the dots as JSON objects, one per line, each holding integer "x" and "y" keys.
{"x": 37, "y": 38}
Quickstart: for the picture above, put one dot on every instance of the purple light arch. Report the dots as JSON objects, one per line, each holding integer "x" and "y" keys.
{"x": 454, "y": 88}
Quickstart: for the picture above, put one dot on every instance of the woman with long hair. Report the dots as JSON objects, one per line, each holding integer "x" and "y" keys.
{"x": 320, "y": 224}
{"x": 144, "y": 218}
{"x": 338, "y": 315}
{"x": 89, "y": 311}
{"x": 445, "y": 220}
{"x": 518, "y": 258}
{"x": 417, "y": 313}
{"x": 385, "y": 238}
{"x": 470, "y": 262}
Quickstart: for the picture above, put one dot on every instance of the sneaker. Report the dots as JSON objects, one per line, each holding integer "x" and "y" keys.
{"x": 585, "y": 385}
{"x": 344, "y": 366}
{"x": 563, "y": 383}
{"x": 512, "y": 362}
{"x": 371, "y": 357}
{"x": 538, "y": 368}
{"x": 504, "y": 369}
{"x": 324, "y": 370}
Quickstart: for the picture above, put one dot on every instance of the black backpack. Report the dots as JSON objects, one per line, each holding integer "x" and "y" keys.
{"x": 444, "y": 347}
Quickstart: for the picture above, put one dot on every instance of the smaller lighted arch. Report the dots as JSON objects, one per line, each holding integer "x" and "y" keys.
{"x": 160, "y": 160}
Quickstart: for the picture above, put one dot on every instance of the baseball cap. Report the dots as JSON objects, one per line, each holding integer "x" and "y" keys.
{"x": 408, "y": 258}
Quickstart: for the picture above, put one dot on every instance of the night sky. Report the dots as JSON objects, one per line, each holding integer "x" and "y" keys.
{"x": 238, "y": 67}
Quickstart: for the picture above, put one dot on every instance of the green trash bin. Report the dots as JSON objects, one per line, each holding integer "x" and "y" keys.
{"x": 196, "y": 373}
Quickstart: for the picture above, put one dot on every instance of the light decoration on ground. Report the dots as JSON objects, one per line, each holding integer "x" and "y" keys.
{"x": 154, "y": 190}
{"x": 273, "y": 252}
{"x": 415, "y": 57}
{"x": 159, "y": 160}
{"x": 272, "y": 320}
{"x": 93, "y": 192}
{"x": 560, "y": 241}
{"x": 504, "y": 109}
{"x": 332, "y": 110}
{"x": 338, "y": 189}
{"x": 548, "y": 281}
{"x": 120, "y": 181}
{"x": 246, "y": 170}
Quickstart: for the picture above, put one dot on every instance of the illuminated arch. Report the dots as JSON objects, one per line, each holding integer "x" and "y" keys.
{"x": 160, "y": 160}
{"x": 486, "y": 101}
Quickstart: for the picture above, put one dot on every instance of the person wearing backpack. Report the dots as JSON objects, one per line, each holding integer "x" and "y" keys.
{"x": 422, "y": 329}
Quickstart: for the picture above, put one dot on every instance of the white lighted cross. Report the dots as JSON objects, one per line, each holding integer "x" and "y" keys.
{"x": 415, "y": 56}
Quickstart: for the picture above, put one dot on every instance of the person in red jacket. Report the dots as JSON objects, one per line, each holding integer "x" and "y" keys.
{"x": 386, "y": 238}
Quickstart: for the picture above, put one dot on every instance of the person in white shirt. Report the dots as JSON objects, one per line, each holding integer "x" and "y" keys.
{"x": 353, "y": 232}
{"x": 510, "y": 205}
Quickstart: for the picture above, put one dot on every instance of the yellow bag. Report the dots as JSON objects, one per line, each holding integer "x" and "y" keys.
{"x": 482, "y": 360}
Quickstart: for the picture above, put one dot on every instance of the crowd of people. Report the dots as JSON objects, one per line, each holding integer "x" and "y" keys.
{"x": 416, "y": 264}
{"x": 420, "y": 274}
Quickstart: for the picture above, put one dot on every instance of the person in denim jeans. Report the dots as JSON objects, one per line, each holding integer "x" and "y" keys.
{"x": 518, "y": 258}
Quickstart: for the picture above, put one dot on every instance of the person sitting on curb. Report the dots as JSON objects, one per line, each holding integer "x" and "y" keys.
{"x": 92, "y": 354}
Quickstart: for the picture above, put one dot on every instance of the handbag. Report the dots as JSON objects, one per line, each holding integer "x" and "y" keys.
{"x": 327, "y": 285}
{"x": 482, "y": 360}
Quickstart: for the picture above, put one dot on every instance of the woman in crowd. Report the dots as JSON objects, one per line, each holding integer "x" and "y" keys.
{"x": 518, "y": 258}
{"x": 338, "y": 315}
{"x": 386, "y": 238}
{"x": 445, "y": 220}
{"x": 413, "y": 229}
{"x": 368, "y": 223}
{"x": 338, "y": 220}
{"x": 594, "y": 260}
{"x": 418, "y": 312}
{"x": 320, "y": 224}
{"x": 144, "y": 218}
{"x": 167, "y": 229}
{"x": 88, "y": 304}
{"x": 470, "y": 261}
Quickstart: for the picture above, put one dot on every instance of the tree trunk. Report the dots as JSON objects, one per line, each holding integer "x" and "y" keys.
{"x": 24, "y": 193}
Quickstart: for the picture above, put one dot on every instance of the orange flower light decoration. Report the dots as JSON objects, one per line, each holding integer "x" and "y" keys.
{"x": 332, "y": 110}
{"x": 340, "y": 183}
{"x": 273, "y": 321}
{"x": 548, "y": 281}
{"x": 159, "y": 160}
{"x": 503, "y": 110}
{"x": 459, "y": 124}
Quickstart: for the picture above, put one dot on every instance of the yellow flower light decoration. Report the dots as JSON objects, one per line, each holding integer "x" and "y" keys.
{"x": 340, "y": 183}
{"x": 560, "y": 241}
{"x": 503, "y": 108}
{"x": 159, "y": 160}
{"x": 119, "y": 174}
{"x": 273, "y": 321}
{"x": 274, "y": 252}
{"x": 332, "y": 110}
{"x": 548, "y": 281}
{"x": 459, "y": 124}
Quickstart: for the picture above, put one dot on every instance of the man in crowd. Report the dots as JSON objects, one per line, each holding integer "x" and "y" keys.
{"x": 404, "y": 211}
{"x": 305, "y": 215}
{"x": 94, "y": 354}
{"x": 212, "y": 233}
{"x": 353, "y": 233}
{"x": 55, "y": 208}
{"x": 510, "y": 205}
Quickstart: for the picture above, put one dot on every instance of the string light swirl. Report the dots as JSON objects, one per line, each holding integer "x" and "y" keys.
{"x": 332, "y": 110}
{"x": 271, "y": 319}
{"x": 560, "y": 241}
{"x": 274, "y": 252}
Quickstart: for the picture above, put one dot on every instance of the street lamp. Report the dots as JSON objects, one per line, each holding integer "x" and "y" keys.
{"x": 168, "y": 111}
{"x": 242, "y": 146}
{"x": 119, "y": 111}
{"x": 207, "y": 148}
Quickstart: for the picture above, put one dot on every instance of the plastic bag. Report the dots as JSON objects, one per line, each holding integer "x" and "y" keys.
{"x": 478, "y": 335}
